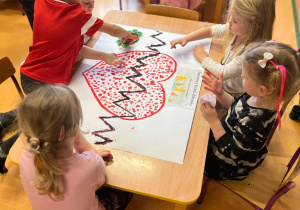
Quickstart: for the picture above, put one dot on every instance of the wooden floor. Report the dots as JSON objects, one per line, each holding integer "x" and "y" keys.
{"x": 16, "y": 36}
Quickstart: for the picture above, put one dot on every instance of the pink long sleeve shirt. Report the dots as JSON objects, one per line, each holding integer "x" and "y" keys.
{"x": 83, "y": 174}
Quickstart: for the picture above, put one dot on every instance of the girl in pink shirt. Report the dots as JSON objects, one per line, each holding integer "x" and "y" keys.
{"x": 53, "y": 176}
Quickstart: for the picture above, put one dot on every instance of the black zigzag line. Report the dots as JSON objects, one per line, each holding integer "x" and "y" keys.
{"x": 111, "y": 128}
{"x": 137, "y": 73}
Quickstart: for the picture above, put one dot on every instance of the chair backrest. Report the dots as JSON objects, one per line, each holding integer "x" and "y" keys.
{"x": 265, "y": 184}
{"x": 274, "y": 126}
{"x": 187, "y": 4}
{"x": 283, "y": 108}
{"x": 169, "y": 11}
{"x": 296, "y": 169}
{"x": 7, "y": 70}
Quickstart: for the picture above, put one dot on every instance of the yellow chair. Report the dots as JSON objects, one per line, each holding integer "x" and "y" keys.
{"x": 169, "y": 11}
{"x": 265, "y": 184}
{"x": 7, "y": 70}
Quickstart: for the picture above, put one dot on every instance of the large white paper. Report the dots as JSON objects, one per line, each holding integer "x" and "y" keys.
{"x": 147, "y": 106}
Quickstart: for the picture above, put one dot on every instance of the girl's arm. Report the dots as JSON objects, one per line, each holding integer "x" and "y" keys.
{"x": 216, "y": 87}
{"x": 217, "y": 31}
{"x": 81, "y": 144}
{"x": 117, "y": 31}
{"x": 210, "y": 115}
{"x": 225, "y": 99}
{"x": 233, "y": 66}
{"x": 109, "y": 58}
{"x": 196, "y": 35}
{"x": 229, "y": 70}
{"x": 201, "y": 33}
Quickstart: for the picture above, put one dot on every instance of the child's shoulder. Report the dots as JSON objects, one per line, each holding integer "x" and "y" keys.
{"x": 220, "y": 27}
{"x": 254, "y": 114}
{"x": 89, "y": 155}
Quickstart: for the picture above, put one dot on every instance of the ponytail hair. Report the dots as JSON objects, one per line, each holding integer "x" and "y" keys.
{"x": 41, "y": 116}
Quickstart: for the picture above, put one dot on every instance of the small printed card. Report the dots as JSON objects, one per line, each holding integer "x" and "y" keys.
{"x": 186, "y": 88}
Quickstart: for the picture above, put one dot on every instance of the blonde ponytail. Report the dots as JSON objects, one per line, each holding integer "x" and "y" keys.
{"x": 41, "y": 117}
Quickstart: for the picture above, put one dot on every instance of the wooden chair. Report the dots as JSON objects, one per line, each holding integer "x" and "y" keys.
{"x": 265, "y": 184}
{"x": 21, "y": 7}
{"x": 169, "y": 11}
{"x": 7, "y": 70}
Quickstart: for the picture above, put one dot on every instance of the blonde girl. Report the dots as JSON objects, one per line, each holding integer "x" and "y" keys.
{"x": 237, "y": 145}
{"x": 248, "y": 21}
{"x": 52, "y": 175}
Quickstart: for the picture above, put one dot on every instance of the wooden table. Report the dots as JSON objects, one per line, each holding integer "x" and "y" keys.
{"x": 178, "y": 183}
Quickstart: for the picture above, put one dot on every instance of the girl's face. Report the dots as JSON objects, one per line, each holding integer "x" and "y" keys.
{"x": 88, "y": 5}
{"x": 250, "y": 85}
{"x": 237, "y": 25}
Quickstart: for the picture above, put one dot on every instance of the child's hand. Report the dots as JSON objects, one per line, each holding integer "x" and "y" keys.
{"x": 105, "y": 154}
{"x": 209, "y": 113}
{"x": 199, "y": 53}
{"x": 127, "y": 37}
{"x": 112, "y": 59}
{"x": 213, "y": 85}
{"x": 182, "y": 41}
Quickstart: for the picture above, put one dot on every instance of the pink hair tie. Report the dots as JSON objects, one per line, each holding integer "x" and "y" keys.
{"x": 262, "y": 63}
{"x": 32, "y": 150}
{"x": 283, "y": 77}
{"x": 62, "y": 133}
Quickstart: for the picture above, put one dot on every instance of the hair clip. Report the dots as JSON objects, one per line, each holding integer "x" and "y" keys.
{"x": 32, "y": 150}
{"x": 62, "y": 133}
{"x": 263, "y": 62}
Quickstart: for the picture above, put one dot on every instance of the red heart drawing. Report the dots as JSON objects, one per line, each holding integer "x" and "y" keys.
{"x": 135, "y": 90}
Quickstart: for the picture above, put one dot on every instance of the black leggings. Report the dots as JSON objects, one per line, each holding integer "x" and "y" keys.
{"x": 6, "y": 145}
{"x": 113, "y": 199}
{"x": 7, "y": 118}
{"x": 28, "y": 84}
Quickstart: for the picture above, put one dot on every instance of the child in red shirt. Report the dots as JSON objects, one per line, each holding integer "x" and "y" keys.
{"x": 58, "y": 33}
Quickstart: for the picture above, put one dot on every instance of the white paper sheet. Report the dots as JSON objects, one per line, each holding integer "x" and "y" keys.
{"x": 141, "y": 113}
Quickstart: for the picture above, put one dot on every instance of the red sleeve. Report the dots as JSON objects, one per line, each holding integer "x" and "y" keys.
{"x": 95, "y": 27}
{"x": 90, "y": 24}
